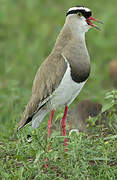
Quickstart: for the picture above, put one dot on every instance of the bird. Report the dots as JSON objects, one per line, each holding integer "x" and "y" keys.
{"x": 63, "y": 73}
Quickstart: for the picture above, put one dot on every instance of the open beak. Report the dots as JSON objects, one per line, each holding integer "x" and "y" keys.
{"x": 88, "y": 20}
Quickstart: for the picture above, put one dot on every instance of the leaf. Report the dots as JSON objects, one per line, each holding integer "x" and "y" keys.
{"x": 106, "y": 107}
{"x": 100, "y": 159}
{"x": 38, "y": 156}
{"x": 110, "y": 137}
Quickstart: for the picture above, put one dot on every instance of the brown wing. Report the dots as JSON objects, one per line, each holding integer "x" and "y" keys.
{"x": 46, "y": 81}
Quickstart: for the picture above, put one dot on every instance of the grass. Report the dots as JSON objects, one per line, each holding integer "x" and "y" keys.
{"x": 28, "y": 30}
{"x": 90, "y": 156}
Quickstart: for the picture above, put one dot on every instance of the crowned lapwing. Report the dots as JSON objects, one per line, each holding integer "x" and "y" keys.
{"x": 62, "y": 75}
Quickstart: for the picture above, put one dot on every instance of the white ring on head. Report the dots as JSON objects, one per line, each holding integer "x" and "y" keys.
{"x": 79, "y": 8}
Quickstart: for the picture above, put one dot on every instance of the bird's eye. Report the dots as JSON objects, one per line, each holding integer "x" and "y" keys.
{"x": 79, "y": 14}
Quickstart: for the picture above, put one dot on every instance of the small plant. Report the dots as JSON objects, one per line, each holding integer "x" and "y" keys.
{"x": 111, "y": 101}
{"x": 111, "y": 109}
{"x": 108, "y": 117}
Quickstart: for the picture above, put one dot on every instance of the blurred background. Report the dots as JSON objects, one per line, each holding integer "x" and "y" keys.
{"x": 28, "y": 30}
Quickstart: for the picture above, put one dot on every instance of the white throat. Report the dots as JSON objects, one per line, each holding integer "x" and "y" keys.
{"x": 78, "y": 26}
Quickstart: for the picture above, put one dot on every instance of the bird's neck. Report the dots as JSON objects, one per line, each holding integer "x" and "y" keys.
{"x": 76, "y": 32}
{"x": 63, "y": 38}
{"x": 68, "y": 34}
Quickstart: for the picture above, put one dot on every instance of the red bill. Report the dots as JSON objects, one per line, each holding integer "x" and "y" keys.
{"x": 88, "y": 20}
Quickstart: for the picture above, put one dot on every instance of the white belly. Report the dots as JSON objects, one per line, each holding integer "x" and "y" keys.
{"x": 63, "y": 95}
{"x": 67, "y": 90}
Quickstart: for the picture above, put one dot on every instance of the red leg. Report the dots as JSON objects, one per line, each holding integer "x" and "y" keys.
{"x": 50, "y": 127}
{"x": 63, "y": 127}
{"x": 49, "y": 132}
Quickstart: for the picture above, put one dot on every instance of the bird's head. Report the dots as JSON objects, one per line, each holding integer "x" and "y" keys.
{"x": 81, "y": 17}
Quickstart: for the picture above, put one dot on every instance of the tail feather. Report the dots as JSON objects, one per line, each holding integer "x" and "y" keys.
{"x": 38, "y": 117}
{"x": 21, "y": 125}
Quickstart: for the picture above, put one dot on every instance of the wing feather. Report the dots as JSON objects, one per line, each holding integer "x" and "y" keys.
{"x": 46, "y": 81}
